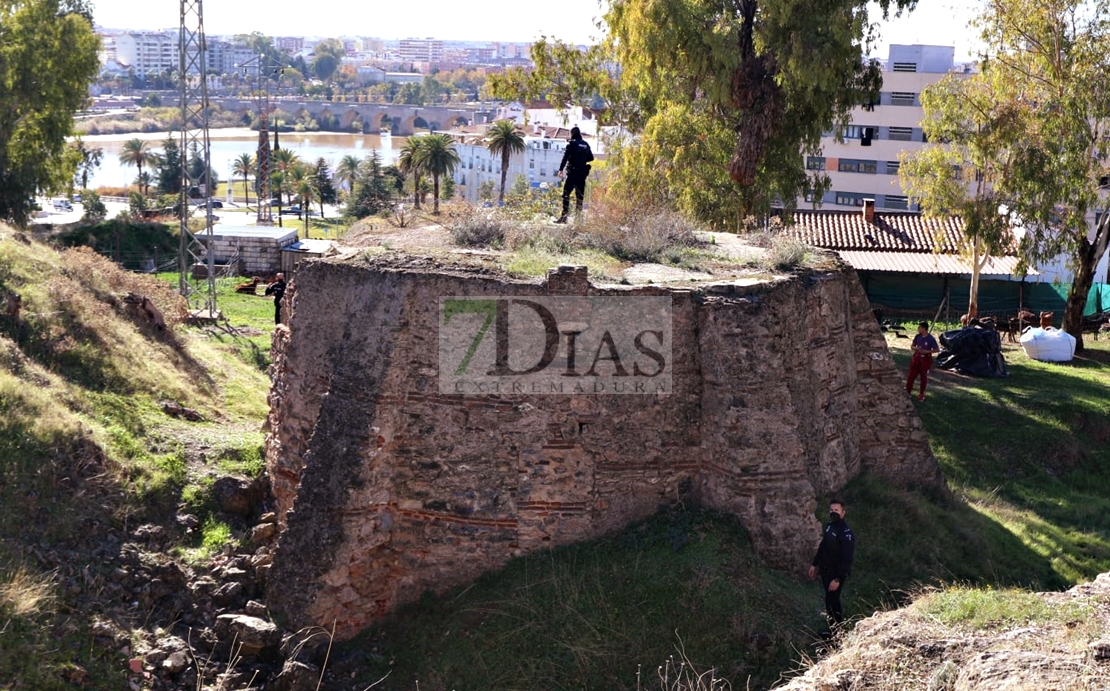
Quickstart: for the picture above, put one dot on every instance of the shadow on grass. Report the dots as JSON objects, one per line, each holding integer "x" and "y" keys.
{"x": 591, "y": 615}
{"x": 1030, "y": 451}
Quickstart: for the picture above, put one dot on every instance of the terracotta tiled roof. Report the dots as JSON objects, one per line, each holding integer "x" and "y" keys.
{"x": 896, "y": 242}
{"x": 894, "y": 232}
{"x": 926, "y": 263}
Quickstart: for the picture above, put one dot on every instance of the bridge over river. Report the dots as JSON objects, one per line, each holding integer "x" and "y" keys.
{"x": 402, "y": 120}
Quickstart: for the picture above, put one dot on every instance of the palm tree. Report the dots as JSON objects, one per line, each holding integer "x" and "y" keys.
{"x": 136, "y": 152}
{"x": 504, "y": 138}
{"x": 347, "y": 171}
{"x": 282, "y": 160}
{"x": 409, "y": 162}
{"x": 305, "y": 189}
{"x": 437, "y": 156}
{"x": 244, "y": 165}
{"x": 143, "y": 180}
{"x": 277, "y": 185}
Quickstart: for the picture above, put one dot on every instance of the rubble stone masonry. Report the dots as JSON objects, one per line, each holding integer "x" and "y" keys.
{"x": 783, "y": 392}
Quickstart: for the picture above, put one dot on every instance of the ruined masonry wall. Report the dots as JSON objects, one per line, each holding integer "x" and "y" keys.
{"x": 387, "y": 488}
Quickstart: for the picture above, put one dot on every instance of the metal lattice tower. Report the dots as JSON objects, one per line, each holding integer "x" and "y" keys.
{"x": 262, "y": 99}
{"x": 194, "y": 137}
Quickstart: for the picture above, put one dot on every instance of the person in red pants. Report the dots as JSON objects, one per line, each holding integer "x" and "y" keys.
{"x": 924, "y": 346}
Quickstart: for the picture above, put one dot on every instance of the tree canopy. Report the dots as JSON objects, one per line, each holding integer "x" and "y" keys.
{"x": 970, "y": 131}
{"x": 47, "y": 61}
{"x": 1046, "y": 65}
{"x": 763, "y": 78}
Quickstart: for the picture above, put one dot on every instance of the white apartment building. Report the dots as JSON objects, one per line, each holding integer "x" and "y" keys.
{"x": 539, "y": 162}
{"x": 148, "y": 52}
{"x": 151, "y": 52}
{"x": 865, "y": 164}
{"x": 225, "y": 58}
{"x": 420, "y": 50}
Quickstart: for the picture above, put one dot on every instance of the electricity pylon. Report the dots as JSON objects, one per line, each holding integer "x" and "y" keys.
{"x": 194, "y": 143}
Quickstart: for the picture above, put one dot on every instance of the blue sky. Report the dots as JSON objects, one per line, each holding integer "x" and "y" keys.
{"x": 940, "y": 22}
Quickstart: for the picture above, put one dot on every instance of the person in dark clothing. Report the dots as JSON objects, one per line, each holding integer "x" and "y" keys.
{"x": 277, "y": 289}
{"x": 576, "y": 161}
{"x": 833, "y": 561}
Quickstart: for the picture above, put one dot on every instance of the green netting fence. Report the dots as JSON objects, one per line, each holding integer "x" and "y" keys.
{"x": 944, "y": 299}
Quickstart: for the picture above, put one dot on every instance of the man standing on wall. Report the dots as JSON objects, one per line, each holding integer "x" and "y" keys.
{"x": 576, "y": 160}
{"x": 833, "y": 561}
{"x": 277, "y": 289}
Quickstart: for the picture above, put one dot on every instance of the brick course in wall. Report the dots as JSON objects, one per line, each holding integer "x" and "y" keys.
{"x": 386, "y": 488}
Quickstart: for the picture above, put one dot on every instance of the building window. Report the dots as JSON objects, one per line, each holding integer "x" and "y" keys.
{"x": 815, "y": 163}
{"x": 892, "y": 167}
{"x": 849, "y": 199}
{"x": 847, "y": 165}
{"x": 531, "y": 164}
{"x": 897, "y": 202}
{"x": 902, "y": 98}
{"x": 901, "y": 134}
{"x": 853, "y": 132}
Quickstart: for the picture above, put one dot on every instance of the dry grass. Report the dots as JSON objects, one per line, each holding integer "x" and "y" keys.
{"x": 25, "y": 594}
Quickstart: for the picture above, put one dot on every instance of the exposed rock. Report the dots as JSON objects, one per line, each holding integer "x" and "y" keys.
{"x": 307, "y": 645}
{"x": 150, "y": 533}
{"x": 176, "y": 662}
{"x": 228, "y": 594}
{"x": 297, "y": 676}
{"x": 263, "y": 532}
{"x": 253, "y": 634}
{"x": 237, "y": 496}
{"x": 188, "y": 521}
{"x": 256, "y": 609}
{"x": 782, "y": 393}
{"x": 897, "y": 650}
{"x": 175, "y": 409}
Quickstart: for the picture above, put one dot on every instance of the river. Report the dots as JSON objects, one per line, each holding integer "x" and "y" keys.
{"x": 228, "y": 144}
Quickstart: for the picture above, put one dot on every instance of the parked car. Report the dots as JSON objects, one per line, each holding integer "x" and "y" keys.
{"x": 62, "y": 205}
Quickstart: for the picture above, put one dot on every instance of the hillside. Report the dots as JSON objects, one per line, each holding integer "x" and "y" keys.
{"x": 119, "y": 546}
{"x": 100, "y": 488}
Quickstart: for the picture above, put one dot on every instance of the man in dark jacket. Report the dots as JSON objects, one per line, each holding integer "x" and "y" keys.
{"x": 576, "y": 161}
{"x": 277, "y": 289}
{"x": 833, "y": 561}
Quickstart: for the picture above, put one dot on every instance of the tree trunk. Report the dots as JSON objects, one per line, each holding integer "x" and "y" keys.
{"x": 977, "y": 263}
{"x": 435, "y": 195}
{"x": 504, "y": 175}
{"x": 246, "y": 191}
{"x": 416, "y": 190}
{"x": 1077, "y": 295}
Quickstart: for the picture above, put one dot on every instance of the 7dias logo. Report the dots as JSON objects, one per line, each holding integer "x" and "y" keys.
{"x": 555, "y": 345}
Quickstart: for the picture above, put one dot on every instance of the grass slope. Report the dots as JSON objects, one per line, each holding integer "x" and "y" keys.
{"x": 86, "y": 453}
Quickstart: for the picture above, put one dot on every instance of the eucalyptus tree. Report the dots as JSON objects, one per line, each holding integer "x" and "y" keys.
{"x": 48, "y": 58}
{"x": 958, "y": 173}
{"x": 728, "y": 97}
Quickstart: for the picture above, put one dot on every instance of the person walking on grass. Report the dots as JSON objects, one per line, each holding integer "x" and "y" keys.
{"x": 277, "y": 289}
{"x": 576, "y": 161}
{"x": 833, "y": 561}
{"x": 924, "y": 346}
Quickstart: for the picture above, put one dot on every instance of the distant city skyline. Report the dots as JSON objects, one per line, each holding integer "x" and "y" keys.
{"x": 938, "y": 22}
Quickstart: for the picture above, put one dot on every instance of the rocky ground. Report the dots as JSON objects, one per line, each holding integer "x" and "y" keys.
{"x": 914, "y": 649}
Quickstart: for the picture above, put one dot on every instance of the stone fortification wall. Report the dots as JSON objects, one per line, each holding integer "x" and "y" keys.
{"x": 386, "y": 488}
